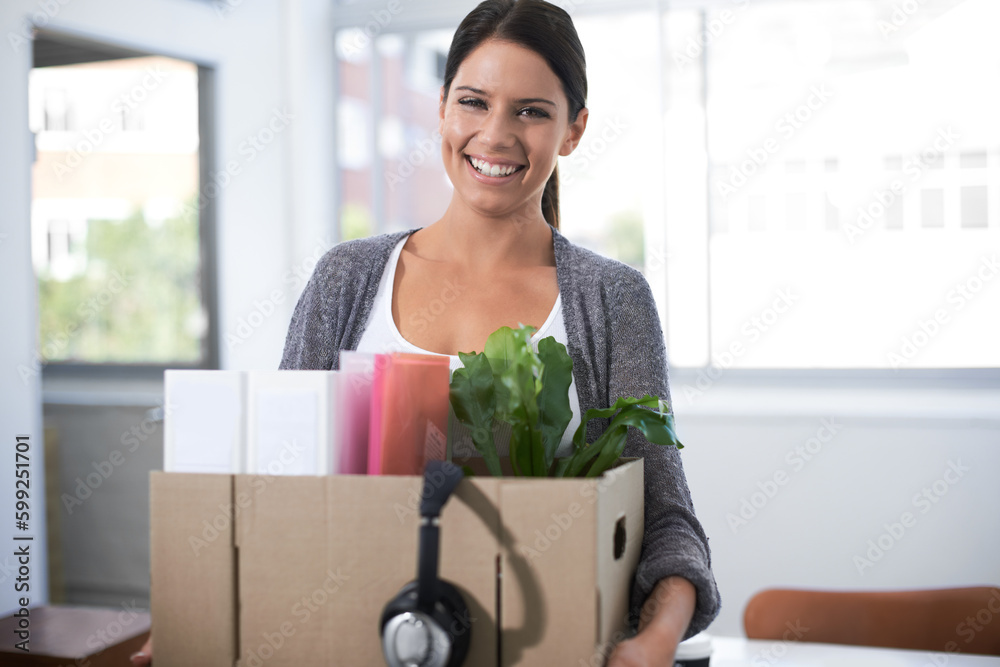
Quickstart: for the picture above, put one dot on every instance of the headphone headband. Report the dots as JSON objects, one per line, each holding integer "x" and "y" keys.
{"x": 440, "y": 479}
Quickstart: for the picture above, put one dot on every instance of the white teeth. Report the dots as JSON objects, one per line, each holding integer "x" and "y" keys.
{"x": 487, "y": 169}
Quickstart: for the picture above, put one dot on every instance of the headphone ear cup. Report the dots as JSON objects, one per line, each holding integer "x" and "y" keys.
{"x": 405, "y": 600}
{"x": 450, "y": 613}
{"x": 455, "y": 619}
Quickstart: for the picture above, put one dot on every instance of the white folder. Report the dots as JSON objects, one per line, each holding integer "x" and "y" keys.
{"x": 289, "y": 418}
{"x": 204, "y": 421}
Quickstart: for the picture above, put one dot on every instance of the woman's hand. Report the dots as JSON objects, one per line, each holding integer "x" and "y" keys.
{"x": 145, "y": 655}
{"x": 643, "y": 651}
{"x": 664, "y": 620}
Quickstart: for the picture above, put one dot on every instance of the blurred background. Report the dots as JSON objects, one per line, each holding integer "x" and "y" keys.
{"x": 811, "y": 187}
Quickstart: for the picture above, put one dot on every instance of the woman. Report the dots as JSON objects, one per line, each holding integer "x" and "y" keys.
{"x": 513, "y": 100}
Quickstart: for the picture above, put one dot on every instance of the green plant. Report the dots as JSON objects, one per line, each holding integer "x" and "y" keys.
{"x": 509, "y": 381}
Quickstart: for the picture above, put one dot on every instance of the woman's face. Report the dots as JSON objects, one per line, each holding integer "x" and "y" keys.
{"x": 504, "y": 123}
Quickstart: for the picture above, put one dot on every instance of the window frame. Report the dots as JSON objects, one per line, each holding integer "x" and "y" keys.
{"x": 84, "y": 48}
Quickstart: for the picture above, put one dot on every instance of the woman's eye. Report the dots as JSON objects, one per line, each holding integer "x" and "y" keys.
{"x": 474, "y": 102}
{"x": 533, "y": 112}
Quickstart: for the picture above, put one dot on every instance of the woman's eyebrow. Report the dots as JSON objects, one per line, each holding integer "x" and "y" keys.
{"x": 536, "y": 100}
{"x": 473, "y": 90}
{"x": 527, "y": 100}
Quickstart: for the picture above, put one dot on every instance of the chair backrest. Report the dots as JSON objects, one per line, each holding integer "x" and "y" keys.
{"x": 947, "y": 620}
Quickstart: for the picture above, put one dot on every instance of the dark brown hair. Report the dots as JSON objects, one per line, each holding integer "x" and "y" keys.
{"x": 543, "y": 28}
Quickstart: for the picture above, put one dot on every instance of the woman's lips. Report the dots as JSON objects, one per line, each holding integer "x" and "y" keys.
{"x": 494, "y": 170}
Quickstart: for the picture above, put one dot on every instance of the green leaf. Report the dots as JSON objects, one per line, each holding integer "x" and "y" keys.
{"x": 474, "y": 401}
{"x": 605, "y": 413}
{"x": 657, "y": 427}
{"x": 656, "y": 424}
{"x": 611, "y": 450}
{"x": 577, "y": 463}
{"x": 520, "y": 379}
{"x": 501, "y": 348}
{"x": 554, "y": 413}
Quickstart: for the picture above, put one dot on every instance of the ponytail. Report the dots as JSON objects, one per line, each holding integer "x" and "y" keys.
{"x": 550, "y": 199}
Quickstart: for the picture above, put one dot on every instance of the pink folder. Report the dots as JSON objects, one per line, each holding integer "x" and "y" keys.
{"x": 409, "y": 413}
{"x": 357, "y": 371}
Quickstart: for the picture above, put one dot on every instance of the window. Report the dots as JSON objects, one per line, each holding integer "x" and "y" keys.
{"x": 850, "y": 146}
{"x": 805, "y": 184}
{"x": 117, "y": 230}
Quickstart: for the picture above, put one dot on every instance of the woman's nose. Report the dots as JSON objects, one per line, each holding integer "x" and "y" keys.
{"x": 497, "y": 130}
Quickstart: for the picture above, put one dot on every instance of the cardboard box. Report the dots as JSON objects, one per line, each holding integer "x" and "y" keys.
{"x": 250, "y": 571}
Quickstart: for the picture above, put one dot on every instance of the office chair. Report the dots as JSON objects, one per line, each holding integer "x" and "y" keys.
{"x": 946, "y": 620}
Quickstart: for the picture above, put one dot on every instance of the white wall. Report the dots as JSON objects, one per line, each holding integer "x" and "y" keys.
{"x": 776, "y": 518}
{"x": 270, "y": 56}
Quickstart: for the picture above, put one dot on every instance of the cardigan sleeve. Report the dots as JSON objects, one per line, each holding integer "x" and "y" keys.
{"x": 324, "y": 315}
{"x": 309, "y": 326}
{"x": 674, "y": 542}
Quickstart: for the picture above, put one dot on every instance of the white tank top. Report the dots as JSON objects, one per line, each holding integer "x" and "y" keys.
{"x": 381, "y": 336}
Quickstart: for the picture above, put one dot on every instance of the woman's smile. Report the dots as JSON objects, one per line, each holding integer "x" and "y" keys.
{"x": 494, "y": 171}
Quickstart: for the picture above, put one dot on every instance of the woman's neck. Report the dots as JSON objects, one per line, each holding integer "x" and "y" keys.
{"x": 521, "y": 239}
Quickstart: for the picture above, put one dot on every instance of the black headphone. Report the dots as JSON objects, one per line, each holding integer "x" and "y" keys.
{"x": 427, "y": 624}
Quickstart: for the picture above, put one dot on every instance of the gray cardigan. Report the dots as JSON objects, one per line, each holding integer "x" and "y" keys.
{"x": 617, "y": 348}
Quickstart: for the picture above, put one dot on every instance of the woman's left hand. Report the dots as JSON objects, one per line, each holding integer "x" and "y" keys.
{"x": 642, "y": 651}
{"x": 665, "y": 617}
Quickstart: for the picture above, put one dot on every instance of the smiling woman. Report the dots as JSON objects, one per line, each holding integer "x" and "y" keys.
{"x": 513, "y": 101}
